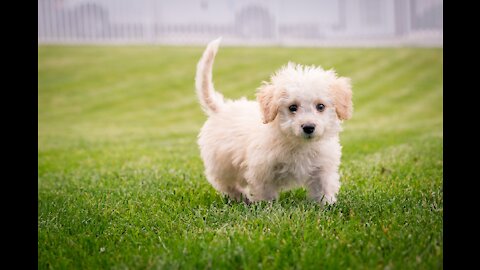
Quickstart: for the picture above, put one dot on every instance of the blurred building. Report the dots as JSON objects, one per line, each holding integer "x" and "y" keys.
{"x": 243, "y": 22}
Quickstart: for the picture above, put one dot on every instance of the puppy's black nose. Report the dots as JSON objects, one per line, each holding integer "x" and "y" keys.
{"x": 308, "y": 128}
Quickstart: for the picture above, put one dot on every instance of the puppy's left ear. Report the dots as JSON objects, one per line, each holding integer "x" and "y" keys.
{"x": 268, "y": 103}
{"x": 341, "y": 90}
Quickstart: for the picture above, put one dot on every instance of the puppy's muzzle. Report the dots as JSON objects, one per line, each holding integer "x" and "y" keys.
{"x": 308, "y": 128}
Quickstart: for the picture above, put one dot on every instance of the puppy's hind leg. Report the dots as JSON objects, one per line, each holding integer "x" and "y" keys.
{"x": 236, "y": 194}
{"x": 232, "y": 191}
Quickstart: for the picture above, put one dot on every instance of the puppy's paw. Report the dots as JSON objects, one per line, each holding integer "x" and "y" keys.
{"x": 325, "y": 200}
{"x": 331, "y": 199}
{"x": 245, "y": 200}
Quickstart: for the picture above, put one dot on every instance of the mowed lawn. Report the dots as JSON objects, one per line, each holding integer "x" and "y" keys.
{"x": 121, "y": 184}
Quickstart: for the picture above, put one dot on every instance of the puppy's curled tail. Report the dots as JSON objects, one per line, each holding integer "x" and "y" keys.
{"x": 210, "y": 100}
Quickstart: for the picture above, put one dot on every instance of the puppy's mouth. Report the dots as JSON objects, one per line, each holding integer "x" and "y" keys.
{"x": 308, "y": 136}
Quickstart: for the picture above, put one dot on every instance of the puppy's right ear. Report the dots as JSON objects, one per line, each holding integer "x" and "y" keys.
{"x": 268, "y": 103}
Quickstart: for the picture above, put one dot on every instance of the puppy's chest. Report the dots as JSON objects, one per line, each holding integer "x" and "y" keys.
{"x": 294, "y": 169}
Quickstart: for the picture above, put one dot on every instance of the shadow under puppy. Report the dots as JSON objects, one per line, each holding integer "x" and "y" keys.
{"x": 288, "y": 138}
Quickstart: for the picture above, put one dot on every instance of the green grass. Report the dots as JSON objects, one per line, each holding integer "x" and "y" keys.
{"x": 121, "y": 184}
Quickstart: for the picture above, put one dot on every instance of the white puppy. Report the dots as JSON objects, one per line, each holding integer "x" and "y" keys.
{"x": 288, "y": 138}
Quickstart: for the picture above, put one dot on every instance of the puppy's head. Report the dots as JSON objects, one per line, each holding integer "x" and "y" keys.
{"x": 305, "y": 101}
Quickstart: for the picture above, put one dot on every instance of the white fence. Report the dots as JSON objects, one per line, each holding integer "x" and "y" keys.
{"x": 243, "y": 22}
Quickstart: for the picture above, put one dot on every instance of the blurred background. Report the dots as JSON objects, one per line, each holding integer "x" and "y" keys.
{"x": 242, "y": 22}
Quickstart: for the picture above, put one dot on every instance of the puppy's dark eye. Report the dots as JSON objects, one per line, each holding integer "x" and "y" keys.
{"x": 293, "y": 108}
{"x": 320, "y": 107}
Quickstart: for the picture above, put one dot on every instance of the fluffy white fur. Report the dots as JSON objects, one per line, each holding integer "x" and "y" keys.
{"x": 255, "y": 149}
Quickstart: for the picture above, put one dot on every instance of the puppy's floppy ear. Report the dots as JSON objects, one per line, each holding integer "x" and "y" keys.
{"x": 268, "y": 103}
{"x": 341, "y": 90}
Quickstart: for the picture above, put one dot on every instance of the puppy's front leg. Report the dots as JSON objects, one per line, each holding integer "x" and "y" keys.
{"x": 260, "y": 185}
{"x": 262, "y": 192}
{"x": 323, "y": 186}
